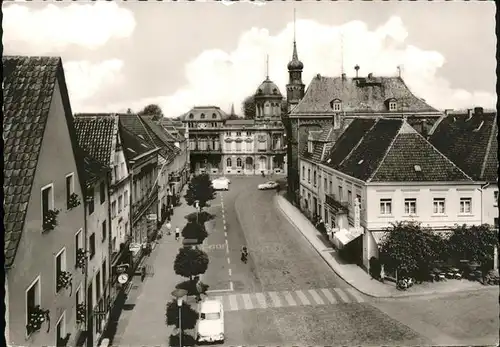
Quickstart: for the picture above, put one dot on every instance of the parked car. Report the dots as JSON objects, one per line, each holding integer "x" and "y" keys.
{"x": 220, "y": 184}
{"x": 210, "y": 326}
{"x": 268, "y": 185}
{"x": 225, "y": 178}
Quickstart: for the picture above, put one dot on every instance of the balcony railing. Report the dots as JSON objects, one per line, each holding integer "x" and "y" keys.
{"x": 339, "y": 206}
{"x": 140, "y": 206}
{"x": 206, "y": 150}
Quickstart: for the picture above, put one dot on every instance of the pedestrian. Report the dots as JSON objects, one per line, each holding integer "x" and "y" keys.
{"x": 177, "y": 233}
{"x": 169, "y": 227}
{"x": 143, "y": 273}
{"x": 382, "y": 273}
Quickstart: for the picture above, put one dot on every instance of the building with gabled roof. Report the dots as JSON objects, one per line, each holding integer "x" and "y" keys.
{"x": 44, "y": 220}
{"x": 470, "y": 139}
{"x": 392, "y": 173}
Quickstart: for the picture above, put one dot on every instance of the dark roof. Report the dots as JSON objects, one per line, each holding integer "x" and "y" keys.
{"x": 231, "y": 122}
{"x": 348, "y": 140}
{"x": 210, "y": 114}
{"x": 471, "y": 146}
{"x": 360, "y": 96}
{"x": 174, "y": 128}
{"x": 96, "y": 134}
{"x": 94, "y": 170}
{"x": 161, "y": 138}
{"x": 135, "y": 138}
{"x": 323, "y": 140}
{"x": 268, "y": 89}
{"x": 393, "y": 151}
{"x": 29, "y": 84}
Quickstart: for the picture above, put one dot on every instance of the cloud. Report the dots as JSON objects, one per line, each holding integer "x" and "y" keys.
{"x": 54, "y": 28}
{"x": 217, "y": 77}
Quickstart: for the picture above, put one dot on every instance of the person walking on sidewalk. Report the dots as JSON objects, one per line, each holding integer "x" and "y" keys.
{"x": 177, "y": 233}
{"x": 169, "y": 227}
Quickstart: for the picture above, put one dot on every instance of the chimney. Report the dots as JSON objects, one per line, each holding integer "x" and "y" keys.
{"x": 469, "y": 113}
{"x": 343, "y": 76}
{"x": 357, "y": 69}
{"x": 370, "y": 75}
{"x": 478, "y": 110}
{"x": 447, "y": 111}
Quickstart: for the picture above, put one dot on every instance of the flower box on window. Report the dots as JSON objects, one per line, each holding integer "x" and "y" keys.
{"x": 63, "y": 280}
{"x": 74, "y": 201}
{"x": 80, "y": 258}
{"x": 80, "y": 313}
{"x": 50, "y": 220}
{"x": 36, "y": 317}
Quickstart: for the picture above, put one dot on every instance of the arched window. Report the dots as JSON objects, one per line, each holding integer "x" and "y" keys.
{"x": 393, "y": 106}
{"x": 214, "y": 116}
{"x": 229, "y": 162}
{"x": 202, "y": 116}
{"x": 238, "y": 162}
{"x": 315, "y": 179}
{"x": 191, "y": 116}
{"x": 308, "y": 175}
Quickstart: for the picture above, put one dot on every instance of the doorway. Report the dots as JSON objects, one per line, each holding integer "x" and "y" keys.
{"x": 90, "y": 318}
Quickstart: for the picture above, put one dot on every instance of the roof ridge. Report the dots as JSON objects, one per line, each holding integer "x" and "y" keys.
{"x": 488, "y": 146}
{"x": 114, "y": 139}
{"x": 148, "y": 131}
{"x": 359, "y": 142}
{"x": 387, "y": 150}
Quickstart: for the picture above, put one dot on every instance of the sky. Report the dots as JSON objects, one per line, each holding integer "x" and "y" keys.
{"x": 120, "y": 55}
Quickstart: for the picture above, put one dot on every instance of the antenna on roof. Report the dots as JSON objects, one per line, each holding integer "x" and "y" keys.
{"x": 341, "y": 52}
{"x": 294, "y": 11}
{"x": 267, "y": 66}
{"x": 399, "y": 71}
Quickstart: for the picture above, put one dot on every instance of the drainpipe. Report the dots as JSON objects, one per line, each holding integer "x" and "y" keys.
{"x": 86, "y": 273}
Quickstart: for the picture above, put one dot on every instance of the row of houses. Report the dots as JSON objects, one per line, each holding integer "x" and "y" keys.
{"x": 84, "y": 194}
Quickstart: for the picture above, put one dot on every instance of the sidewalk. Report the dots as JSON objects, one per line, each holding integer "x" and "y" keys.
{"x": 142, "y": 320}
{"x": 356, "y": 276}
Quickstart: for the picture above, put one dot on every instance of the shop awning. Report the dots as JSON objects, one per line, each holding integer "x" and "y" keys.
{"x": 344, "y": 236}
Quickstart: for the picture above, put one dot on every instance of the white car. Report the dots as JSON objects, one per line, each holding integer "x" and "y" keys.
{"x": 220, "y": 184}
{"x": 268, "y": 185}
{"x": 210, "y": 326}
{"x": 225, "y": 179}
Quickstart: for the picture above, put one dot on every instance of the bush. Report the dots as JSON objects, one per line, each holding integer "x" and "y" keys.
{"x": 474, "y": 243}
{"x": 187, "y": 340}
{"x": 189, "y": 316}
{"x": 193, "y": 230}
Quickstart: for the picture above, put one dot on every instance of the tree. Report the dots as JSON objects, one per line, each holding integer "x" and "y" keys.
{"x": 201, "y": 217}
{"x": 187, "y": 340}
{"x": 190, "y": 262}
{"x": 410, "y": 249}
{"x": 474, "y": 243}
{"x": 152, "y": 110}
{"x": 248, "y": 107}
{"x": 194, "y": 230}
{"x": 200, "y": 188}
{"x": 189, "y": 316}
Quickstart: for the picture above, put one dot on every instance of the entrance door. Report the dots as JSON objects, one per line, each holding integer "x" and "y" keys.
{"x": 315, "y": 206}
{"x": 90, "y": 318}
{"x": 262, "y": 163}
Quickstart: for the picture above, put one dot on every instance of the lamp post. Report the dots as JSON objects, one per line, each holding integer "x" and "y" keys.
{"x": 179, "y": 294}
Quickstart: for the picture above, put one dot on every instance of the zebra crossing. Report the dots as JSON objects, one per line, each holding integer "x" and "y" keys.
{"x": 304, "y": 297}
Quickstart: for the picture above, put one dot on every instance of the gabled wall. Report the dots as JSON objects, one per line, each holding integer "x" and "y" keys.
{"x": 37, "y": 250}
{"x": 120, "y": 224}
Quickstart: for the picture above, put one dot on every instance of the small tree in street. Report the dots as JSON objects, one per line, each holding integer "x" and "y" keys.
{"x": 200, "y": 218}
{"x": 193, "y": 230}
{"x": 189, "y": 316}
{"x": 474, "y": 243}
{"x": 410, "y": 249}
{"x": 190, "y": 262}
{"x": 200, "y": 189}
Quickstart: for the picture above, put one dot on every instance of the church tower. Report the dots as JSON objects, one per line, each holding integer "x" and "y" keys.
{"x": 295, "y": 88}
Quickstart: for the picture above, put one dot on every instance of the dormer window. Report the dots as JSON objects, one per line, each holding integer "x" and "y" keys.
{"x": 202, "y": 116}
{"x": 393, "y": 106}
{"x": 336, "y": 105}
{"x": 214, "y": 116}
{"x": 191, "y": 116}
{"x": 310, "y": 146}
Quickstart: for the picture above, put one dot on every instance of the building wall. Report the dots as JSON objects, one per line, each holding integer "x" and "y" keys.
{"x": 37, "y": 251}
{"x": 163, "y": 187}
{"x": 120, "y": 223}
{"x": 95, "y": 263}
{"x": 490, "y": 204}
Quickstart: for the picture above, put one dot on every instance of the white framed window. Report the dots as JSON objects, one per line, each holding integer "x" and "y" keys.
{"x": 78, "y": 243}
{"x": 386, "y": 206}
{"x": 310, "y": 146}
{"x": 495, "y": 197}
{"x": 349, "y": 197}
{"x": 122, "y": 170}
{"x": 33, "y": 296}
{"x": 393, "y": 106}
{"x": 308, "y": 175}
{"x": 341, "y": 193}
{"x": 47, "y": 203}
{"x": 466, "y": 205}
{"x": 125, "y": 198}
{"x": 120, "y": 203}
{"x": 70, "y": 187}
{"x": 238, "y": 133}
{"x": 303, "y": 172}
{"x": 60, "y": 265}
{"x": 439, "y": 205}
{"x": 113, "y": 209}
{"x": 103, "y": 231}
{"x": 410, "y": 206}
{"x": 337, "y": 106}
{"x": 61, "y": 330}
{"x": 117, "y": 175}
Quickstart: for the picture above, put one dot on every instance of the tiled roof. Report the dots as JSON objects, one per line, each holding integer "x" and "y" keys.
{"x": 268, "y": 89}
{"x": 161, "y": 138}
{"x": 210, "y": 114}
{"x": 470, "y": 143}
{"x": 29, "y": 84}
{"x": 135, "y": 138}
{"x": 347, "y": 141}
{"x": 359, "y": 96}
{"x": 174, "y": 128}
{"x": 94, "y": 170}
{"x": 392, "y": 151}
{"x": 96, "y": 133}
{"x": 323, "y": 140}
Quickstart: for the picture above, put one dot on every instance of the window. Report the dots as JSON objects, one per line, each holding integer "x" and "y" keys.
{"x": 78, "y": 296}
{"x": 202, "y": 116}
{"x": 228, "y": 162}
{"x": 117, "y": 175}
{"x": 61, "y": 331}
{"x": 47, "y": 200}
{"x": 113, "y": 209}
{"x": 238, "y": 146}
{"x": 238, "y": 133}
{"x": 90, "y": 200}
{"x": 439, "y": 205}
{"x": 465, "y": 205}
{"x": 125, "y": 198}
{"x": 325, "y": 184}
{"x": 392, "y": 106}
{"x": 103, "y": 230}
{"x": 120, "y": 203}
{"x": 386, "y": 206}
{"x": 410, "y": 206}
{"x": 191, "y": 116}
{"x": 122, "y": 170}
{"x": 309, "y": 146}
{"x": 349, "y": 197}
{"x": 104, "y": 273}
{"x": 336, "y": 106}
{"x": 308, "y": 175}
{"x": 32, "y": 297}
{"x": 341, "y": 193}
{"x": 70, "y": 188}
{"x": 228, "y": 133}
{"x": 314, "y": 178}
{"x": 495, "y": 197}
{"x": 303, "y": 172}
{"x": 60, "y": 265}
{"x": 359, "y": 198}
{"x": 78, "y": 243}
{"x": 92, "y": 245}
{"x": 102, "y": 192}
{"x": 98, "y": 285}
{"x": 331, "y": 187}
{"x": 249, "y": 133}
{"x": 238, "y": 162}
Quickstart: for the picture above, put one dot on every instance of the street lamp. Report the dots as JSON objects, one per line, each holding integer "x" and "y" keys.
{"x": 179, "y": 294}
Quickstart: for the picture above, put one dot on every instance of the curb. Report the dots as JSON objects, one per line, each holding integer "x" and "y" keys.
{"x": 395, "y": 296}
